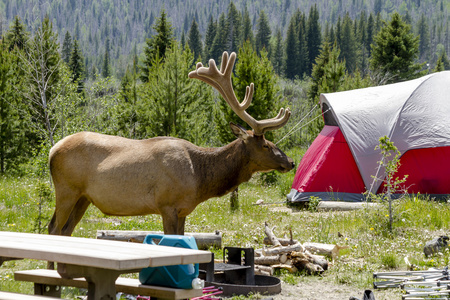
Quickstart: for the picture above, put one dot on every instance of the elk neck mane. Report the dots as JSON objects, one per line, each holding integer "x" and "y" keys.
{"x": 221, "y": 169}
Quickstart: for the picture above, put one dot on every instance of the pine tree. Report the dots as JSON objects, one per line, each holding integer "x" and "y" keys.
{"x": 209, "y": 37}
{"x": 348, "y": 44}
{"x": 394, "y": 52}
{"x": 247, "y": 34}
{"x": 370, "y": 33}
{"x": 76, "y": 66}
{"x": 183, "y": 40}
{"x": 439, "y": 65}
{"x": 170, "y": 96}
{"x": 378, "y": 6}
{"x": 262, "y": 39}
{"x": 445, "y": 60}
{"x": 14, "y": 145}
{"x": 292, "y": 52}
{"x": 219, "y": 44}
{"x": 234, "y": 28}
{"x": 106, "y": 70}
{"x": 158, "y": 44}
{"x": 424, "y": 34}
{"x": 362, "y": 37}
{"x": 194, "y": 40}
{"x": 314, "y": 35}
{"x": 17, "y": 35}
{"x": 303, "y": 55}
{"x": 318, "y": 72}
{"x": 278, "y": 54}
{"x": 67, "y": 48}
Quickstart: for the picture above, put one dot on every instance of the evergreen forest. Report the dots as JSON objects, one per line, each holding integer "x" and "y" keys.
{"x": 121, "y": 67}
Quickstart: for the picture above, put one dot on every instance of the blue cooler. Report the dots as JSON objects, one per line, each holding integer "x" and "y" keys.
{"x": 178, "y": 276}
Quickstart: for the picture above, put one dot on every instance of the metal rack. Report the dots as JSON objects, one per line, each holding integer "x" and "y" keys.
{"x": 434, "y": 283}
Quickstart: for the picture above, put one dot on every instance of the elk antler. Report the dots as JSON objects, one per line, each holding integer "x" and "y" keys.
{"x": 221, "y": 81}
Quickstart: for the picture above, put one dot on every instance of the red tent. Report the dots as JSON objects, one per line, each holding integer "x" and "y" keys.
{"x": 342, "y": 163}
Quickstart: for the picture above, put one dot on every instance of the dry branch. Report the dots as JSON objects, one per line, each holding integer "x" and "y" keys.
{"x": 272, "y": 238}
{"x": 329, "y": 250}
{"x": 283, "y": 241}
{"x": 281, "y": 250}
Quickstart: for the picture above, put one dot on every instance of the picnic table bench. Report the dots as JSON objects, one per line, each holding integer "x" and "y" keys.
{"x": 97, "y": 262}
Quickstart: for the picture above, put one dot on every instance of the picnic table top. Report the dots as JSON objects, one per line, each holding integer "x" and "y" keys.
{"x": 103, "y": 254}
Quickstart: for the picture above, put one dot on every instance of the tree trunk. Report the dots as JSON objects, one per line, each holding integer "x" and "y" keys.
{"x": 234, "y": 199}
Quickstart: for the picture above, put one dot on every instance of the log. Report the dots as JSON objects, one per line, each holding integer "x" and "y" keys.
{"x": 204, "y": 240}
{"x": 329, "y": 250}
{"x": 261, "y": 272}
{"x": 267, "y": 269}
{"x": 305, "y": 264}
{"x": 272, "y": 238}
{"x": 290, "y": 268}
{"x": 320, "y": 260}
{"x": 343, "y": 206}
{"x": 281, "y": 250}
{"x": 271, "y": 260}
{"x": 258, "y": 252}
{"x": 267, "y": 260}
{"x": 307, "y": 256}
{"x": 283, "y": 241}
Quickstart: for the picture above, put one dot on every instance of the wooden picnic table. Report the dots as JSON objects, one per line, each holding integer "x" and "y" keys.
{"x": 100, "y": 262}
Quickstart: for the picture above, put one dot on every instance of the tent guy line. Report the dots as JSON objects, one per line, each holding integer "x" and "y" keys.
{"x": 294, "y": 129}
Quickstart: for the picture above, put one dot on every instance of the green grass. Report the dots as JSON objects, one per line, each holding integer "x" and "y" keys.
{"x": 370, "y": 246}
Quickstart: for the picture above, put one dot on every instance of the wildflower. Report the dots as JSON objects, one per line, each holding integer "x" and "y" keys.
{"x": 356, "y": 246}
{"x": 346, "y": 239}
{"x": 387, "y": 216}
{"x": 371, "y": 228}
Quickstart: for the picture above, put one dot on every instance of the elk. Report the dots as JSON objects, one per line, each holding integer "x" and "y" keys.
{"x": 161, "y": 175}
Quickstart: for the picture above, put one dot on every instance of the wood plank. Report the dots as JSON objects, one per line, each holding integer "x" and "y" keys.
{"x": 15, "y": 296}
{"x": 125, "y": 285}
{"x": 203, "y": 240}
{"x": 96, "y": 253}
{"x": 89, "y": 243}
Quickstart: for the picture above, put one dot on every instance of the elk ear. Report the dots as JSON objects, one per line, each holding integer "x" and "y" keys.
{"x": 239, "y": 131}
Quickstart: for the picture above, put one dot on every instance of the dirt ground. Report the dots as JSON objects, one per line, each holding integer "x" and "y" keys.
{"x": 318, "y": 290}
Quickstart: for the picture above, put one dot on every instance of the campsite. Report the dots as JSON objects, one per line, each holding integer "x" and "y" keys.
{"x": 371, "y": 247}
{"x": 310, "y": 139}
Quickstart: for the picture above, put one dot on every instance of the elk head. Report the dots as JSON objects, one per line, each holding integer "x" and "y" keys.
{"x": 265, "y": 154}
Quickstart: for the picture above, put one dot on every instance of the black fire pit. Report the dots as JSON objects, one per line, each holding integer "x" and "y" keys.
{"x": 236, "y": 275}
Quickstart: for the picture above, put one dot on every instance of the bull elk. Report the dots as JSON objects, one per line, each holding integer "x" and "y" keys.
{"x": 161, "y": 175}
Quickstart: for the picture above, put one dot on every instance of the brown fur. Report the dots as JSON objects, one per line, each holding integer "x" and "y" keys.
{"x": 162, "y": 175}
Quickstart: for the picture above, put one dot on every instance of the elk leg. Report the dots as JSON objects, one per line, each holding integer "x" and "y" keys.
{"x": 181, "y": 222}
{"x": 170, "y": 221}
{"x": 65, "y": 203}
{"x": 75, "y": 216}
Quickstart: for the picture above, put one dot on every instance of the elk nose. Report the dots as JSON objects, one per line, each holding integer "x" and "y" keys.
{"x": 292, "y": 162}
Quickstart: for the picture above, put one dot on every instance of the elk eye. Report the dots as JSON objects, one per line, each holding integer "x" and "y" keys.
{"x": 266, "y": 147}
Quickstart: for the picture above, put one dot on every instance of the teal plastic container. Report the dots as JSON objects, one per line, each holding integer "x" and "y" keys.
{"x": 178, "y": 276}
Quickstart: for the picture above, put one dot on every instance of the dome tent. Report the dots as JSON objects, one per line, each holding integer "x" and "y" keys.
{"x": 342, "y": 161}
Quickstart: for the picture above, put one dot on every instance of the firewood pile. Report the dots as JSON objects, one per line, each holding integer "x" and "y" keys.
{"x": 289, "y": 254}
